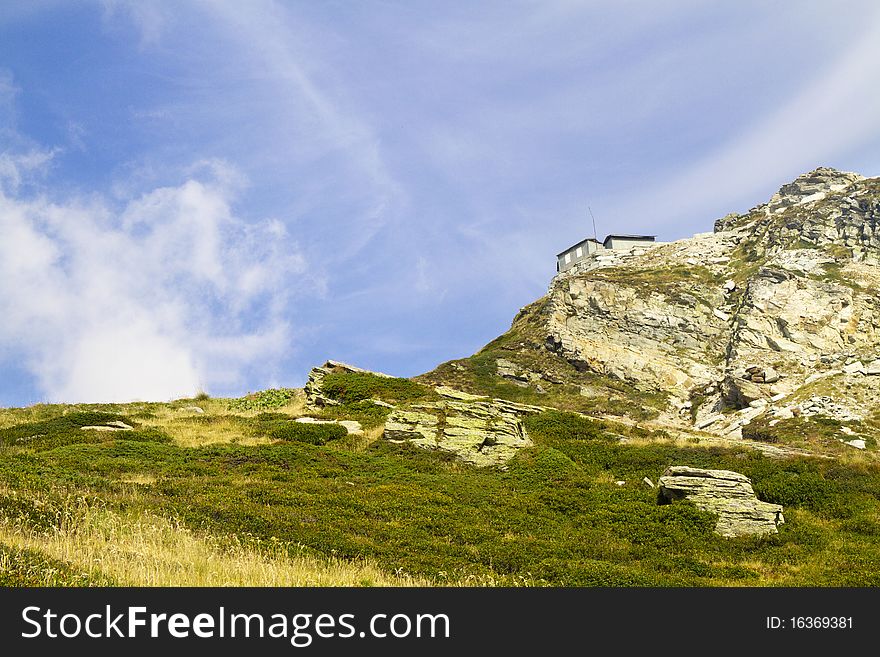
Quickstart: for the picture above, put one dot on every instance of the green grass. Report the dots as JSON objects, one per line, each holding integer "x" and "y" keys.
{"x": 678, "y": 283}
{"x": 370, "y": 415}
{"x": 264, "y": 400}
{"x": 554, "y": 517}
{"x": 351, "y": 387}
{"x": 553, "y": 423}
{"x": 817, "y": 432}
{"x": 22, "y": 567}
{"x": 313, "y": 434}
{"x": 561, "y": 383}
{"x": 67, "y": 429}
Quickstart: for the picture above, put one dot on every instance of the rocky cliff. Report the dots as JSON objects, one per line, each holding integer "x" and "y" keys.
{"x": 771, "y": 318}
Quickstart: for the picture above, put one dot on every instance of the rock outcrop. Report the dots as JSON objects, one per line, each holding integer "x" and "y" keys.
{"x": 314, "y": 387}
{"x": 778, "y": 303}
{"x": 725, "y": 493}
{"x": 479, "y": 430}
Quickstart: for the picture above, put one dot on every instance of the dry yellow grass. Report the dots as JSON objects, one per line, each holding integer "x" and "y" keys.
{"x": 143, "y": 549}
{"x": 360, "y": 442}
{"x": 187, "y": 433}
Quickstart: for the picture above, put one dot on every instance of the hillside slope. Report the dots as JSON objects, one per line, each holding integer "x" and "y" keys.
{"x": 767, "y": 327}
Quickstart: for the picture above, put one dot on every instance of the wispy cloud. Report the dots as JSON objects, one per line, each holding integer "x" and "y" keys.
{"x": 300, "y": 103}
{"x": 818, "y": 125}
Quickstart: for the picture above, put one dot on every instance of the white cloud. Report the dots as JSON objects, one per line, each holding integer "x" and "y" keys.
{"x": 14, "y": 167}
{"x": 157, "y": 299}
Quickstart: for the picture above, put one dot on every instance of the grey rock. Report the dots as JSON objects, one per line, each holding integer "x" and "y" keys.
{"x": 712, "y": 419}
{"x": 855, "y": 367}
{"x": 113, "y": 425}
{"x": 479, "y": 430}
{"x": 811, "y": 187}
{"x": 728, "y": 494}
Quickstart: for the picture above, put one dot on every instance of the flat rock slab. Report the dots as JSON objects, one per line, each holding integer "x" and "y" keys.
{"x": 115, "y": 425}
{"x": 728, "y": 494}
{"x": 479, "y": 430}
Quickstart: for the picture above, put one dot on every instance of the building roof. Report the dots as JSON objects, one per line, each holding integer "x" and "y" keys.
{"x": 631, "y": 237}
{"x": 574, "y": 246}
{"x": 650, "y": 238}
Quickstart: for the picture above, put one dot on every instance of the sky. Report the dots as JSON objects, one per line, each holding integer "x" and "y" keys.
{"x": 217, "y": 196}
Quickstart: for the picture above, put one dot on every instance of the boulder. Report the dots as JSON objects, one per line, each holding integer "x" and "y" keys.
{"x": 479, "y": 430}
{"x": 759, "y": 374}
{"x": 113, "y": 425}
{"x": 725, "y": 493}
{"x": 855, "y": 367}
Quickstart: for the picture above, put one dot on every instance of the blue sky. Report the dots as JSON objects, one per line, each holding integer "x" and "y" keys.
{"x": 219, "y": 195}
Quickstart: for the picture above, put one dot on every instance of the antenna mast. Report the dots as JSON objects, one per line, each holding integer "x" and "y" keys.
{"x": 595, "y": 235}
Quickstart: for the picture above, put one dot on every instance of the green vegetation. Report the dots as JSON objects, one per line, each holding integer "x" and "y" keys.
{"x": 552, "y": 423}
{"x": 350, "y": 387}
{"x": 370, "y": 415}
{"x": 58, "y": 426}
{"x": 555, "y": 516}
{"x": 833, "y": 272}
{"x": 68, "y": 430}
{"x": 677, "y": 283}
{"x": 574, "y": 390}
{"x": 23, "y": 567}
{"x": 263, "y": 401}
{"x": 560, "y": 384}
{"x": 313, "y": 434}
{"x": 820, "y": 433}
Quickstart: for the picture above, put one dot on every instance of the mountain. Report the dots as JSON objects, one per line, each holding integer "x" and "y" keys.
{"x": 766, "y": 327}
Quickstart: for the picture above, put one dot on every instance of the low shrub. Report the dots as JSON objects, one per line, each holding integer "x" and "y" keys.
{"x": 348, "y": 387}
{"x": 143, "y": 435}
{"x": 313, "y": 434}
{"x": 264, "y": 400}
{"x": 563, "y": 426}
{"x": 364, "y": 411}
{"x": 60, "y": 430}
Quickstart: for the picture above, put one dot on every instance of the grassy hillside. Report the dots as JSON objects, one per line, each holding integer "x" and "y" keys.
{"x": 228, "y": 496}
{"x": 548, "y": 379}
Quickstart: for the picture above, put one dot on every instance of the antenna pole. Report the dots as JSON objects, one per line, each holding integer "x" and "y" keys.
{"x": 595, "y": 234}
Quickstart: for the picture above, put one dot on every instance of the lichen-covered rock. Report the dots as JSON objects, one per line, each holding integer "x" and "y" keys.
{"x": 313, "y": 388}
{"x": 725, "y": 493}
{"x": 479, "y": 430}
